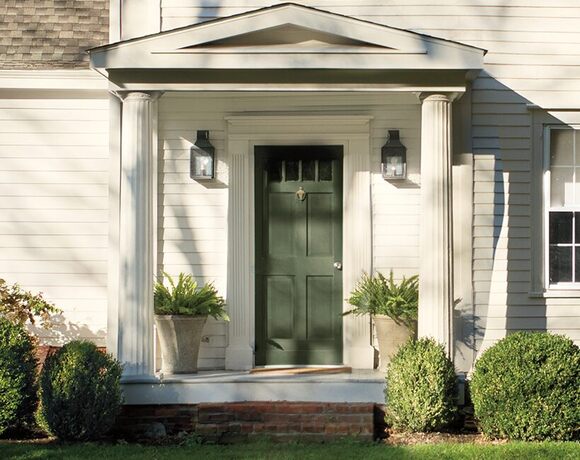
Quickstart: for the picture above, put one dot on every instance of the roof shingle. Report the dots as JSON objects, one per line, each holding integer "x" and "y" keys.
{"x": 51, "y": 34}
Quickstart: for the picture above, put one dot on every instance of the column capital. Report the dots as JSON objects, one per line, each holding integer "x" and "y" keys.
{"x": 429, "y": 96}
{"x": 125, "y": 95}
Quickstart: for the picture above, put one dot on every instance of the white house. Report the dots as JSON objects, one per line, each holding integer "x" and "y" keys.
{"x": 97, "y": 196}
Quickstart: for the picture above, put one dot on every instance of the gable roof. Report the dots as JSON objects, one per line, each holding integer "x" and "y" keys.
{"x": 287, "y": 36}
{"x": 51, "y": 34}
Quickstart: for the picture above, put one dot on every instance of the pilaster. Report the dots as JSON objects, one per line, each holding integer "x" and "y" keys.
{"x": 357, "y": 250}
{"x": 239, "y": 353}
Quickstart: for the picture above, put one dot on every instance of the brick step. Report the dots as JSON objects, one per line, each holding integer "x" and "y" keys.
{"x": 229, "y": 422}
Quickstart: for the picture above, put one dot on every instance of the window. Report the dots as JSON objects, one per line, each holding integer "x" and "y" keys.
{"x": 562, "y": 199}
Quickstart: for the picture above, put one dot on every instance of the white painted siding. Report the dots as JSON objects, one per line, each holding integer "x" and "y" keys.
{"x": 53, "y": 203}
{"x": 193, "y": 215}
{"x": 534, "y": 57}
{"x": 533, "y": 45}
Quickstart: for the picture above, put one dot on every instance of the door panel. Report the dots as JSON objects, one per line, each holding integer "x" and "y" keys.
{"x": 280, "y": 296}
{"x": 282, "y": 224}
{"x": 320, "y": 307}
{"x": 320, "y": 224}
{"x": 298, "y": 239}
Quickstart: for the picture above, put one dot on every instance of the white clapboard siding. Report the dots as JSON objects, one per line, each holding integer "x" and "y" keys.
{"x": 193, "y": 217}
{"x": 54, "y": 206}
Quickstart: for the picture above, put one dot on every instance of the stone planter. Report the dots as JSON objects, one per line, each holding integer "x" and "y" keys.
{"x": 391, "y": 336}
{"x": 179, "y": 339}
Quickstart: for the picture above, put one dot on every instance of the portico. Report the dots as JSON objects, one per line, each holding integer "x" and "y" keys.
{"x": 281, "y": 50}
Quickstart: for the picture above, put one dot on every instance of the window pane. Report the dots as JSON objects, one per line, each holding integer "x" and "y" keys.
{"x": 560, "y": 264}
{"x": 291, "y": 170}
{"x": 577, "y": 187}
{"x": 561, "y": 186}
{"x": 560, "y": 227}
{"x": 577, "y": 227}
{"x": 325, "y": 170}
{"x": 577, "y": 256}
{"x": 561, "y": 147}
{"x": 308, "y": 169}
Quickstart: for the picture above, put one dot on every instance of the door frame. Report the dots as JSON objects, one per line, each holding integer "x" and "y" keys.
{"x": 244, "y": 133}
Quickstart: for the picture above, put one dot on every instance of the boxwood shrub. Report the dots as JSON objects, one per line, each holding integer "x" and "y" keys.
{"x": 80, "y": 393}
{"x": 527, "y": 387}
{"x": 421, "y": 388}
{"x": 17, "y": 376}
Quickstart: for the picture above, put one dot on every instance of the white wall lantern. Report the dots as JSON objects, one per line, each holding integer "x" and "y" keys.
{"x": 202, "y": 158}
{"x": 394, "y": 158}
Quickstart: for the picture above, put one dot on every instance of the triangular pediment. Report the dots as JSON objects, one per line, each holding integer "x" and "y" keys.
{"x": 287, "y": 36}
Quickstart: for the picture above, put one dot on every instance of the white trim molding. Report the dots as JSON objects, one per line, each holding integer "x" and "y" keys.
{"x": 244, "y": 133}
{"x": 53, "y": 80}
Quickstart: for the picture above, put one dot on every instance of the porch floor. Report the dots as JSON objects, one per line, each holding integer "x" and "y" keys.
{"x": 360, "y": 386}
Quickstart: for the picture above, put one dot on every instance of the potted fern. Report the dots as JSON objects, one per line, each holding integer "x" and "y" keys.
{"x": 393, "y": 307}
{"x": 181, "y": 310}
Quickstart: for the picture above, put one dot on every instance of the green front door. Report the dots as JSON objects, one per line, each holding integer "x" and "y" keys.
{"x": 298, "y": 255}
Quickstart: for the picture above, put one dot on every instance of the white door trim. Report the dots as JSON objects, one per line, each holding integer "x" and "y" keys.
{"x": 244, "y": 133}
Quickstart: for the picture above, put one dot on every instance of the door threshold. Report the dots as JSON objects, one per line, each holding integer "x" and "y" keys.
{"x": 301, "y": 370}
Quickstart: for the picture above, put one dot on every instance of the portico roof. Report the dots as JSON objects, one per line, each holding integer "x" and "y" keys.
{"x": 283, "y": 45}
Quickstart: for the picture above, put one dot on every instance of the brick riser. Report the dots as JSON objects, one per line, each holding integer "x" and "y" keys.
{"x": 229, "y": 422}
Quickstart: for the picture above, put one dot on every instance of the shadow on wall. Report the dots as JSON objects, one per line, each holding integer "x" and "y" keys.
{"x": 508, "y": 247}
{"x": 63, "y": 331}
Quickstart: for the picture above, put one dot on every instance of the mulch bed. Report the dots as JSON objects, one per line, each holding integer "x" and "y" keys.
{"x": 408, "y": 439}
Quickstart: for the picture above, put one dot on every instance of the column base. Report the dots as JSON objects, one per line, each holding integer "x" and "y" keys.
{"x": 239, "y": 358}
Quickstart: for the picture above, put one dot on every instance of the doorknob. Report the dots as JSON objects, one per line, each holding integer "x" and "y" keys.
{"x": 338, "y": 265}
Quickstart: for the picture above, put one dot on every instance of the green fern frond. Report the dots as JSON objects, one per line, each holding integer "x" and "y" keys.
{"x": 379, "y": 295}
{"x": 185, "y": 297}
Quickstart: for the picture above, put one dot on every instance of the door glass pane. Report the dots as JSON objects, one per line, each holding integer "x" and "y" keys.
{"x": 560, "y": 264}
{"x": 308, "y": 169}
{"x": 561, "y": 147}
{"x": 291, "y": 170}
{"x": 561, "y": 186}
{"x": 560, "y": 227}
{"x": 274, "y": 170}
{"x": 325, "y": 170}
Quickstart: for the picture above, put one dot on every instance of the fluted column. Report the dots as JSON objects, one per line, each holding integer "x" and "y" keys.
{"x": 436, "y": 261}
{"x": 135, "y": 334}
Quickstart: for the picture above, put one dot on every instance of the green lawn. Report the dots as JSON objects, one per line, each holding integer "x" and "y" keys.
{"x": 262, "y": 450}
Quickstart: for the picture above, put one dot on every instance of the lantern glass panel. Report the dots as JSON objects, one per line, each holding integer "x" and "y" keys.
{"x": 201, "y": 165}
{"x": 396, "y": 165}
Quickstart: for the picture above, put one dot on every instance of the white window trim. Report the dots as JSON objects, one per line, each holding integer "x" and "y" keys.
{"x": 566, "y": 288}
